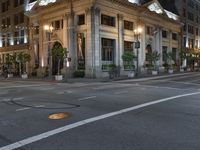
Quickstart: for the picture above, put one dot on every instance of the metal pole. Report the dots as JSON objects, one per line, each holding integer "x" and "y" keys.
{"x": 137, "y": 63}
{"x": 50, "y": 56}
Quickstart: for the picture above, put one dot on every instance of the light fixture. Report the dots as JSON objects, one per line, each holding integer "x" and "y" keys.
{"x": 45, "y": 2}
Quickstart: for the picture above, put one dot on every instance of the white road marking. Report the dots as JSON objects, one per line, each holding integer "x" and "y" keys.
{"x": 17, "y": 98}
{"x": 87, "y": 121}
{"x": 40, "y": 106}
{"x": 25, "y": 108}
{"x": 112, "y": 86}
{"x": 6, "y": 100}
{"x": 17, "y": 86}
{"x": 85, "y": 98}
{"x": 121, "y": 92}
{"x": 69, "y": 91}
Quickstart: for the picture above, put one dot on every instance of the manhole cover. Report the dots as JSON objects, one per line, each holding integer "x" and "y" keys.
{"x": 57, "y": 116}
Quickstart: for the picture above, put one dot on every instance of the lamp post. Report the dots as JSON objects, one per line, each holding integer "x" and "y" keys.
{"x": 137, "y": 46}
{"x": 49, "y": 30}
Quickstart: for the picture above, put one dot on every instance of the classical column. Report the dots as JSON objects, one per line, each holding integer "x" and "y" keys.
{"x": 65, "y": 31}
{"x": 71, "y": 39}
{"x": 120, "y": 50}
{"x": 93, "y": 42}
{"x": 158, "y": 42}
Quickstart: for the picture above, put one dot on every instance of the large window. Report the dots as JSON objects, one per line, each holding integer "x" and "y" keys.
{"x": 164, "y": 34}
{"x": 174, "y": 52}
{"x": 164, "y": 54}
{"x": 21, "y": 41}
{"x": 5, "y": 6}
{"x": 18, "y": 2}
{"x": 174, "y": 36}
{"x": 16, "y": 19}
{"x": 107, "y": 20}
{"x": 81, "y": 19}
{"x": 57, "y": 25}
{"x": 149, "y": 30}
{"x": 190, "y": 16}
{"x": 128, "y": 25}
{"x": 16, "y": 36}
{"x": 107, "y": 49}
{"x": 128, "y": 46}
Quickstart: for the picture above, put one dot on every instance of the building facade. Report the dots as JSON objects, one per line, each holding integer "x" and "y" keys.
{"x": 96, "y": 33}
{"x": 189, "y": 11}
{"x": 14, "y": 29}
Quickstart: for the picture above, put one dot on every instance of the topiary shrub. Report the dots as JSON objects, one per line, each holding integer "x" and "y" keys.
{"x": 79, "y": 74}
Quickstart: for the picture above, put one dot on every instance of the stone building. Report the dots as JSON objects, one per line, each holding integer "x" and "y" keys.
{"x": 13, "y": 29}
{"x": 97, "y": 32}
{"x": 189, "y": 11}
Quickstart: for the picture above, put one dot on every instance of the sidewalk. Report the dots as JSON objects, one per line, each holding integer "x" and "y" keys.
{"x": 106, "y": 79}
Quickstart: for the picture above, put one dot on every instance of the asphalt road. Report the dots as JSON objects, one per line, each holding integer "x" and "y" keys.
{"x": 149, "y": 114}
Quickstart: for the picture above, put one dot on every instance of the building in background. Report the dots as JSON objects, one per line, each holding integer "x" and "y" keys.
{"x": 189, "y": 11}
{"x": 96, "y": 33}
{"x": 14, "y": 29}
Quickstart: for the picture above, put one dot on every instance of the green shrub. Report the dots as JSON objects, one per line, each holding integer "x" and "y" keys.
{"x": 79, "y": 73}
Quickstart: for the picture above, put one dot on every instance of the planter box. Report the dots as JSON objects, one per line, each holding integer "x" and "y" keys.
{"x": 170, "y": 71}
{"x": 58, "y": 77}
{"x": 131, "y": 74}
{"x": 10, "y": 75}
{"x": 154, "y": 72}
{"x": 181, "y": 70}
{"x": 24, "y": 76}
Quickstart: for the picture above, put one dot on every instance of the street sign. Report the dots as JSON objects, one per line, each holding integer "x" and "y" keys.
{"x": 69, "y": 59}
{"x": 137, "y": 44}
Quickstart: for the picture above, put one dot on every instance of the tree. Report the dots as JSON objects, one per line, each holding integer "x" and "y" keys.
{"x": 128, "y": 57}
{"x": 23, "y": 58}
{"x": 153, "y": 57}
{"x": 170, "y": 59}
{"x": 58, "y": 53}
{"x": 9, "y": 61}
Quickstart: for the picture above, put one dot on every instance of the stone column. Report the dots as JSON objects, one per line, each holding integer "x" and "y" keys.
{"x": 93, "y": 67}
{"x": 119, "y": 50}
{"x": 70, "y": 39}
{"x": 65, "y": 44}
{"x": 43, "y": 52}
{"x": 158, "y": 42}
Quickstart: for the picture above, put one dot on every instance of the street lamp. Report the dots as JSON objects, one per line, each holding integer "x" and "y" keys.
{"x": 49, "y": 30}
{"x": 137, "y": 46}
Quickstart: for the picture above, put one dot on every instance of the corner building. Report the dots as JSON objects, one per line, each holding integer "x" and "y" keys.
{"x": 97, "y": 32}
{"x": 14, "y": 30}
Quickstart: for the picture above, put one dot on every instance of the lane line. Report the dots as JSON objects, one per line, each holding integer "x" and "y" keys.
{"x": 31, "y": 85}
{"x": 121, "y": 92}
{"x": 39, "y": 106}
{"x": 86, "y": 98}
{"x": 17, "y": 98}
{"x": 87, "y": 121}
{"x": 21, "y": 109}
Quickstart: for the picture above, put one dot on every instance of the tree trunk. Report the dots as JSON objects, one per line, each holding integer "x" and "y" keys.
{"x": 58, "y": 67}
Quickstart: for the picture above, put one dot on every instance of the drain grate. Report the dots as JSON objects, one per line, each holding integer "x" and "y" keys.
{"x": 57, "y": 116}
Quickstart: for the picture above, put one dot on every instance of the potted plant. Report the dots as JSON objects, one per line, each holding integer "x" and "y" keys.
{"x": 153, "y": 57}
{"x": 183, "y": 57}
{"x": 111, "y": 70}
{"x": 128, "y": 57}
{"x": 9, "y": 61}
{"x": 58, "y": 53}
{"x": 170, "y": 62}
{"x": 23, "y": 58}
